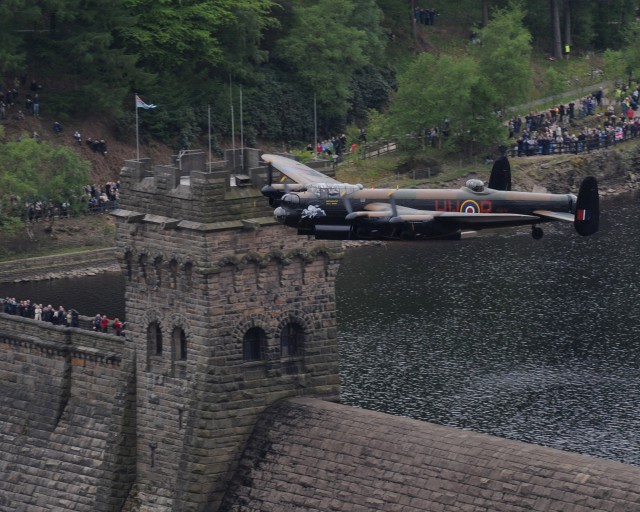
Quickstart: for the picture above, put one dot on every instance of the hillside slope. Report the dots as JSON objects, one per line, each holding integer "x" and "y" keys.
{"x": 103, "y": 167}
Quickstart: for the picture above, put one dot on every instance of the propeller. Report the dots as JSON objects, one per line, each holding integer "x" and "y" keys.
{"x": 347, "y": 203}
{"x": 394, "y": 206}
{"x": 269, "y": 174}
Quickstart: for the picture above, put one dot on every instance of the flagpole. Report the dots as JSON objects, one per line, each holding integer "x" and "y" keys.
{"x": 135, "y": 103}
{"x": 315, "y": 126}
{"x": 241, "y": 132}
{"x": 233, "y": 128}
{"x": 209, "y": 122}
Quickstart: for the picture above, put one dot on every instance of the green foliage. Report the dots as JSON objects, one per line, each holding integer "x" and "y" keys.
{"x": 555, "y": 82}
{"x": 186, "y": 55}
{"x": 504, "y": 57}
{"x": 279, "y": 110}
{"x": 79, "y": 41}
{"x": 378, "y": 127}
{"x": 450, "y": 94}
{"x": 370, "y": 88}
{"x": 181, "y": 36}
{"x": 32, "y": 171}
{"x": 15, "y": 15}
{"x": 613, "y": 19}
{"x": 631, "y": 52}
{"x": 616, "y": 63}
{"x": 325, "y": 46}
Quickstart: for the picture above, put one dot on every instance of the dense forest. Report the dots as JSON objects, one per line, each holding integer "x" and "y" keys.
{"x": 280, "y": 72}
{"x": 286, "y": 66}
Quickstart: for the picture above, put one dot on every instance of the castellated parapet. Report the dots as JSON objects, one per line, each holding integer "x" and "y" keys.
{"x": 227, "y": 311}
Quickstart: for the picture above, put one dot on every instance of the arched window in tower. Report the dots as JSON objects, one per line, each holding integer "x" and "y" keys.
{"x": 291, "y": 340}
{"x": 173, "y": 272}
{"x": 154, "y": 339}
{"x": 157, "y": 267}
{"x": 143, "y": 267}
{"x": 128, "y": 261}
{"x": 188, "y": 272}
{"x": 252, "y": 343}
{"x": 179, "y": 339}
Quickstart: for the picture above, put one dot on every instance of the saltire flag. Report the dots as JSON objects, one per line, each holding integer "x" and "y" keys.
{"x": 583, "y": 215}
{"x": 142, "y": 104}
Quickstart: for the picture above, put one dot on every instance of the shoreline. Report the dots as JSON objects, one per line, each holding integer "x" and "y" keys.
{"x": 60, "y": 266}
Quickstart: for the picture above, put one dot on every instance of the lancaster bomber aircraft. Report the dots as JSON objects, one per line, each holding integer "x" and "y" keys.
{"x": 327, "y": 209}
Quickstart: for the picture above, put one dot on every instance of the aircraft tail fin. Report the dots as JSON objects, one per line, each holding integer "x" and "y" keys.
{"x": 500, "y": 174}
{"x": 587, "y": 215}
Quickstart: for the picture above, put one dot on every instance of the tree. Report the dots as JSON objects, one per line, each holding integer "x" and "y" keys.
{"x": 631, "y": 52}
{"x": 181, "y": 36}
{"x": 485, "y": 13}
{"x": 504, "y": 56}
{"x": 32, "y": 171}
{"x": 450, "y": 94}
{"x": 567, "y": 23}
{"x": 79, "y": 41}
{"x": 325, "y": 47}
{"x": 16, "y": 16}
{"x": 555, "y": 29}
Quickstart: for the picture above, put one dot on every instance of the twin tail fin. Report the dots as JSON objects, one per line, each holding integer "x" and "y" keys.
{"x": 587, "y": 214}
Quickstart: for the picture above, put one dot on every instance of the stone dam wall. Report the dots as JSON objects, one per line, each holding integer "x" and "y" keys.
{"x": 158, "y": 421}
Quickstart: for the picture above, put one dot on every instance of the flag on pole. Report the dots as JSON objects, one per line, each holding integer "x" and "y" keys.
{"x": 146, "y": 106}
{"x": 142, "y": 104}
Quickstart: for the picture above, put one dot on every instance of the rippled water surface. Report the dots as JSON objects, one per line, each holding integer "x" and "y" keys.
{"x": 532, "y": 340}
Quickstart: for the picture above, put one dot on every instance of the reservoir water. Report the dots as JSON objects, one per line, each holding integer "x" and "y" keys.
{"x": 536, "y": 340}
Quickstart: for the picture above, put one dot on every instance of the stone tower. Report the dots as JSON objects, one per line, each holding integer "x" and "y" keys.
{"x": 227, "y": 311}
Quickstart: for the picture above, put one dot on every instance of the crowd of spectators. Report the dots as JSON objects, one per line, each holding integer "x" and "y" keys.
{"x": 97, "y": 145}
{"x": 425, "y": 16}
{"x": 10, "y": 98}
{"x": 60, "y": 316}
{"x": 331, "y": 147}
{"x": 55, "y": 316}
{"x": 12, "y": 105}
{"x": 555, "y": 130}
{"x": 337, "y": 146}
{"x": 101, "y": 199}
{"x": 94, "y": 199}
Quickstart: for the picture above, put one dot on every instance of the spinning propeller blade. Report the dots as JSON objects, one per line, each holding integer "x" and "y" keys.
{"x": 347, "y": 203}
{"x": 394, "y": 206}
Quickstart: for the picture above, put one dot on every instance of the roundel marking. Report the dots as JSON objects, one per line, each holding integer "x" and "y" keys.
{"x": 470, "y": 206}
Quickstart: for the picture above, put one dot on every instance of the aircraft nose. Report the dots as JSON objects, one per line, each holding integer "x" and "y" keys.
{"x": 280, "y": 214}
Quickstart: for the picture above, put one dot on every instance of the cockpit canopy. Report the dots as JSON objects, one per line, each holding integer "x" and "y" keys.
{"x": 330, "y": 190}
{"x": 475, "y": 185}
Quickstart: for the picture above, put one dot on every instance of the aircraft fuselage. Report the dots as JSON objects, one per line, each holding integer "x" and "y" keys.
{"x": 323, "y": 212}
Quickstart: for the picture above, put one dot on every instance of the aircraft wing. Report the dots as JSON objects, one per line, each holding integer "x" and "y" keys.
{"x": 300, "y": 173}
{"x": 467, "y": 218}
{"x": 568, "y": 217}
{"x": 405, "y": 214}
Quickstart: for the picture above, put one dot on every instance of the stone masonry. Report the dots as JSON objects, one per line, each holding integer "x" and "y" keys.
{"x": 215, "y": 290}
{"x": 226, "y": 315}
{"x": 67, "y": 418}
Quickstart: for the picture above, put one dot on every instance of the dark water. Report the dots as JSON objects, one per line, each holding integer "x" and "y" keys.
{"x": 103, "y": 293}
{"x": 532, "y": 340}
